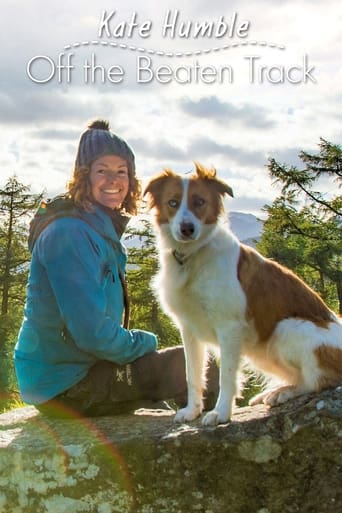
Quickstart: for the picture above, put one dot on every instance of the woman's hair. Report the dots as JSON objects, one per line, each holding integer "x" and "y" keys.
{"x": 95, "y": 142}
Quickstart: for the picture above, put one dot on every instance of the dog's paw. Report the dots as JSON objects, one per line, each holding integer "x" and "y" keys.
{"x": 187, "y": 414}
{"x": 284, "y": 394}
{"x": 276, "y": 396}
{"x": 259, "y": 398}
{"x": 215, "y": 417}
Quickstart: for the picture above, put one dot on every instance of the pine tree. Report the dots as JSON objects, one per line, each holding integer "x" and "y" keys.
{"x": 16, "y": 204}
{"x": 303, "y": 229}
{"x": 142, "y": 266}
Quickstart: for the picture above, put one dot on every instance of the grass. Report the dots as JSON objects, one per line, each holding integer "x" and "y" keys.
{"x": 10, "y": 400}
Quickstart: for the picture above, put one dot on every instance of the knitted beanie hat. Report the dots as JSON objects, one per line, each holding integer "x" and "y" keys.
{"x": 98, "y": 141}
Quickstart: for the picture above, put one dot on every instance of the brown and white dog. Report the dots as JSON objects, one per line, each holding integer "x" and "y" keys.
{"x": 222, "y": 293}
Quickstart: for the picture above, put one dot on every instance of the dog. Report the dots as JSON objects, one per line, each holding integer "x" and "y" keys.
{"x": 222, "y": 293}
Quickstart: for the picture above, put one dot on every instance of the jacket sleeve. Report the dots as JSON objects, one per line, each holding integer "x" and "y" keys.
{"x": 73, "y": 264}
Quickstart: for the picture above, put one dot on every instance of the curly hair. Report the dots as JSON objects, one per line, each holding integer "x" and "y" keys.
{"x": 79, "y": 190}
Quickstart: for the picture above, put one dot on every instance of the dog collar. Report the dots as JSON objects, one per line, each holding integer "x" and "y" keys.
{"x": 180, "y": 257}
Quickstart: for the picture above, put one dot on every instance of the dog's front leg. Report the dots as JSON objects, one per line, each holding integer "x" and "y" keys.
{"x": 229, "y": 339}
{"x": 195, "y": 352}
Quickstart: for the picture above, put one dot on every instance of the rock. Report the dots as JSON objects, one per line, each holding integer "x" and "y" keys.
{"x": 284, "y": 460}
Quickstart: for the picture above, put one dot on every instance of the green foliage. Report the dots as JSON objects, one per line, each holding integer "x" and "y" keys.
{"x": 142, "y": 266}
{"x": 303, "y": 227}
{"x": 10, "y": 400}
{"x": 9, "y": 327}
{"x": 16, "y": 204}
{"x": 252, "y": 385}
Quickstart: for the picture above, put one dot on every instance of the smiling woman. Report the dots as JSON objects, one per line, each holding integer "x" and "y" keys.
{"x": 109, "y": 180}
{"x": 104, "y": 159}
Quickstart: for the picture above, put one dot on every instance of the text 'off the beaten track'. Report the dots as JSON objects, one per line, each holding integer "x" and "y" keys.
{"x": 42, "y": 69}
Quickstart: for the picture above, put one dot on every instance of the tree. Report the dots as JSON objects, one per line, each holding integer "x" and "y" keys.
{"x": 16, "y": 203}
{"x": 303, "y": 229}
{"x": 142, "y": 266}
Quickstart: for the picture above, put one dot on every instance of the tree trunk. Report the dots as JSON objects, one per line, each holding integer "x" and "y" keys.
{"x": 154, "y": 313}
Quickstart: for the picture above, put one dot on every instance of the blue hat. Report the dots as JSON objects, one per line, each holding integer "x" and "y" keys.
{"x": 98, "y": 141}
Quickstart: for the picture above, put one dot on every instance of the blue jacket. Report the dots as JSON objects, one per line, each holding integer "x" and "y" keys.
{"x": 74, "y": 307}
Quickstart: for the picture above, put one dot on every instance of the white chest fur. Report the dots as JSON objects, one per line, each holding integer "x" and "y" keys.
{"x": 201, "y": 288}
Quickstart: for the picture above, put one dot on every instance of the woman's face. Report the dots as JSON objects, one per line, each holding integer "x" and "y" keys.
{"x": 109, "y": 180}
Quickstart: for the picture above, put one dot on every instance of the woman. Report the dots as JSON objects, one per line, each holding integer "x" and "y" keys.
{"x": 72, "y": 349}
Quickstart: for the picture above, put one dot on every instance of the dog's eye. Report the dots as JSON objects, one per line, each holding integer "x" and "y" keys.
{"x": 199, "y": 202}
{"x": 173, "y": 203}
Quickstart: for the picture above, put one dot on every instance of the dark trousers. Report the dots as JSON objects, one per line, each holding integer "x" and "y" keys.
{"x": 111, "y": 389}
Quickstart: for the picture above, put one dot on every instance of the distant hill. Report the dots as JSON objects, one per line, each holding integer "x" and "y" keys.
{"x": 246, "y": 227}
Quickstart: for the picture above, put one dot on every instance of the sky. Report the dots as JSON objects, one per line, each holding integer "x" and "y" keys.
{"x": 263, "y": 81}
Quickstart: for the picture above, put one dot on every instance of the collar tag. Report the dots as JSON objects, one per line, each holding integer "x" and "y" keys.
{"x": 180, "y": 257}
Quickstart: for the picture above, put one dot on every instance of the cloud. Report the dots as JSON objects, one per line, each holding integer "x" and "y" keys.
{"x": 249, "y": 204}
{"x": 49, "y": 107}
{"x": 288, "y": 156}
{"x": 56, "y": 134}
{"x": 159, "y": 149}
{"x": 35, "y": 106}
{"x": 210, "y": 107}
{"x": 199, "y": 148}
{"x": 206, "y": 147}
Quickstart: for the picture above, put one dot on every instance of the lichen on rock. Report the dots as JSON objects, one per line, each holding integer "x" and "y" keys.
{"x": 264, "y": 461}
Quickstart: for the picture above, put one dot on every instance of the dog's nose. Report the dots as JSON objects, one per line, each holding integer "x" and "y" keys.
{"x": 187, "y": 229}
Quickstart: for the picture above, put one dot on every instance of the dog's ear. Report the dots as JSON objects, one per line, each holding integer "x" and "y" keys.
{"x": 155, "y": 182}
{"x": 210, "y": 175}
{"x": 223, "y": 188}
{"x": 155, "y": 186}
{"x": 151, "y": 186}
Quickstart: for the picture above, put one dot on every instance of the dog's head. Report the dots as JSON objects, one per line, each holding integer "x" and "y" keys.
{"x": 187, "y": 204}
